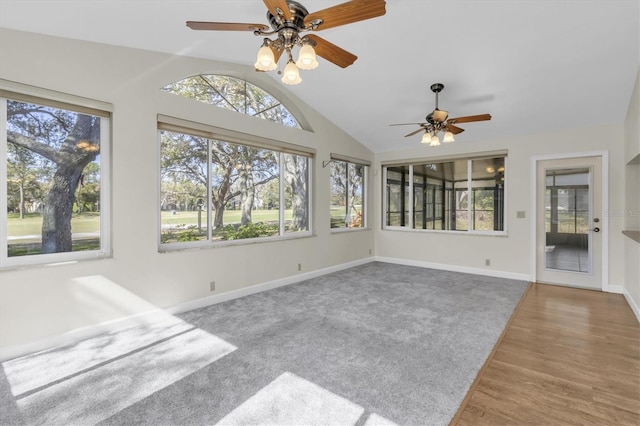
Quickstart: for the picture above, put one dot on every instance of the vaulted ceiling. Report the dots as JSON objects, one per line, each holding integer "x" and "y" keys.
{"x": 535, "y": 66}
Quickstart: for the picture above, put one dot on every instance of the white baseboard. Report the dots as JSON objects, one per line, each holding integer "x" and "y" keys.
{"x": 269, "y": 285}
{"x": 456, "y": 268}
{"x": 79, "y": 334}
{"x": 632, "y": 303}
{"x": 617, "y": 289}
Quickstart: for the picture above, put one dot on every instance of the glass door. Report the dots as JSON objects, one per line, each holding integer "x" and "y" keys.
{"x": 569, "y": 211}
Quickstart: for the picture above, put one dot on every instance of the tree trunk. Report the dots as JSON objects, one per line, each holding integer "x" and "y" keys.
{"x": 247, "y": 195}
{"x": 22, "y": 207}
{"x": 296, "y": 174}
{"x": 219, "y": 199}
{"x": 80, "y": 148}
{"x": 56, "y": 221}
{"x": 218, "y": 220}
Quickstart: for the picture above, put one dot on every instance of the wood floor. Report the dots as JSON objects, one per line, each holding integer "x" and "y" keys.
{"x": 567, "y": 357}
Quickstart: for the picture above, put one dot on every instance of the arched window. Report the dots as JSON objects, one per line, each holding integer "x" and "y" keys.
{"x": 235, "y": 94}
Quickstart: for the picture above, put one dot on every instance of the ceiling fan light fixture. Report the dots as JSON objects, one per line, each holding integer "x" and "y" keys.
{"x": 439, "y": 121}
{"x": 291, "y": 74}
{"x": 448, "y": 137}
{"x": 307, "y": 58}
{"x": 440, "y": 115}
{"x": 265, "y": 60}
{"x": 288, "y": 20}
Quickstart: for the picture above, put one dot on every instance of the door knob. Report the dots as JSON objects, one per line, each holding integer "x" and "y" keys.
{"x": 596, "y": 229}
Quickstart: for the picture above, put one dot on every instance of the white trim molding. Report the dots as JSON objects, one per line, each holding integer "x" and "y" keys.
{"x": 632, "y": 304}
{"x": 258, "y": 288}
{"x": 455, "y": 268}
{"x": 604, "y": 155}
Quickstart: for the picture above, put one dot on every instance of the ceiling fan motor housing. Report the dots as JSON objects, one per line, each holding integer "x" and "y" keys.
{"x": 298, "y": 12}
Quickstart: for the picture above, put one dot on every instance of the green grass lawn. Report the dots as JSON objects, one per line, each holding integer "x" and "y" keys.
{"x": 32, "y": 224}
{"x": 230, "y": 217}
{"x": 90, "y": 222}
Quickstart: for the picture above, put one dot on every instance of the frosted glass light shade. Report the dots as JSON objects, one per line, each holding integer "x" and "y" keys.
{"x": 426, "y": 138}
{"x": 291, "y": 74}
{"x": 265, "y": 60}
{"x": 448, "y": 137}
{"x": 435, "y": 141}
{"x": 307, "y": 58}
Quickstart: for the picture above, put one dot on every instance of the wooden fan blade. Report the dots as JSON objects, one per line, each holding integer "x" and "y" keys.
{"x": 274, "y": 5}
{"x": 225, "y": 26}
{"x": 453, "y": 129}
{"x": 408, "y": 124}
{"x": 331, "y": 52}
{"x": 346, "y": 13}
{"x": 470, "y": 118}
{"x": 421, "y": 129}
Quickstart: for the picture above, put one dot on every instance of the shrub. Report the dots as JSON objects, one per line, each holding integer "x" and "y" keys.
{"x": 250, "y": 230}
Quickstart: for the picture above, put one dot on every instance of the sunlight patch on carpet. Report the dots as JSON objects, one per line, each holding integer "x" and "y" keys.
{"x": 291, "y": 400}
{"x": 376, "y": 420}
{"x": 97, "y": 393}
{"x": 30, "y": 372}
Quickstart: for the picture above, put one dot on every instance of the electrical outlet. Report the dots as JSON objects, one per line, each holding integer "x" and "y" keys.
{"x": 520, "y": 214}
{"x": 487, "y": 262}
{"x": 212, "y": 286}
{"x": 299, "y": 266}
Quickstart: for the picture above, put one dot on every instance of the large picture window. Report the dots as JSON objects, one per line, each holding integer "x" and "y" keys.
{"x": 456, "y": 195}
{"x": 54, "y": 169}
{"x": 347, "y": 184}
{"x": 213, "y": 189}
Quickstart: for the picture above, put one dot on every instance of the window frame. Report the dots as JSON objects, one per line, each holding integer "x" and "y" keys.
{"x": 174, "y": 124}
{"x": 299, "y": 123}
{"x": 11, "y": 91}
{"x": 365, "y": 185}
{"x": 410, "y": 213}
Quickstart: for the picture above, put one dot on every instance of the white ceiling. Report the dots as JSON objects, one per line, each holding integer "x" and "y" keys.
{"x": 535, "y": 66}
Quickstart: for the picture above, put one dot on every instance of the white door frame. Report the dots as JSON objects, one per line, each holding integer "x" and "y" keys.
{"x": 605, "y": 207}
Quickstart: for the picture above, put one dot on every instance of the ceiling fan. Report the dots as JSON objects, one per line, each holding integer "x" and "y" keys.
{"x": 438, "y": 120}
{"x": 288, "y": 20}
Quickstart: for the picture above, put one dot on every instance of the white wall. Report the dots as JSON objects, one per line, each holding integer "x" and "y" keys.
{"x": 632, "y": 198}
{"x": 39, "y": 302}
{"x": 510, "y": 255}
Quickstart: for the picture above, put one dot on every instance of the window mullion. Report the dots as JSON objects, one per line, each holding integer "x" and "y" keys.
{"x": 347, "y": 219}
{"x": 411, "y": 197}
{"x": 365, "y": 180}
{"x": 105, "y": 191}
{"x": 469, "y": 195}
{"x": 4, "y": 226}
{"x": 282, "y": 192}
{"x": 209, "y": 191}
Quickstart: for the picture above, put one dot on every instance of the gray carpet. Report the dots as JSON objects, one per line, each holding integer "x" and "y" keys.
{"x": 378, "y": 344}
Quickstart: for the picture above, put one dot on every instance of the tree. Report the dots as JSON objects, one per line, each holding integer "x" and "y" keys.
{"x": 256, "y": 167}
{"x": 88, "y": 194}
{"x": 21, "y": 174}
{"x": 346, "y": 189}
{"x": 296, "y": 167}
{"x": 239, "y": 171}
{"x": 70, "y": 141}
